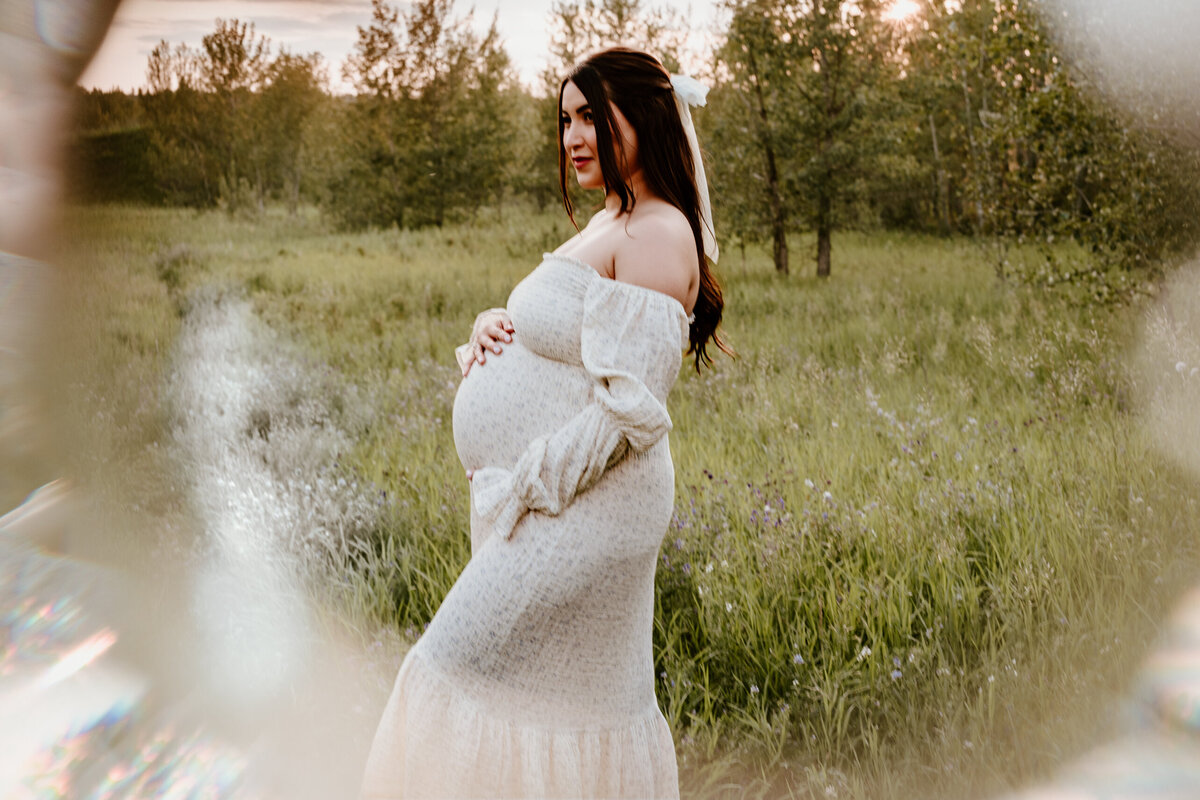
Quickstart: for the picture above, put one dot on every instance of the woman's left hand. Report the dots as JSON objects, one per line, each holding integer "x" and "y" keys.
{"x": 491, "y": 328}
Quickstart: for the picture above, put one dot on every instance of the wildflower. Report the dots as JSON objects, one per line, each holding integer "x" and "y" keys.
{"x": 795, "y": 682}
{"x": 808, "y": 482}
{"x": 1180, "y": 367}
{"x": 897, "y": 674}
{"x": 797, "y": 658}
{"x": 828, "y": 496}
{"x": 729, "y": 607}
{"x": 753, "y": 689}
{"x": 862, "y": 654}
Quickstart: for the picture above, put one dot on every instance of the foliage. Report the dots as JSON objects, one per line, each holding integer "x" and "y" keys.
{"x": 580, "y": 27}
{"x": 432, "y": 130}
{"x": 223, "y": 118}
{"x": 112, "y": 166}
{"x": 813, "y": 79}
{"x": 967, "y": 117}
{"x": 1019, "y": 146}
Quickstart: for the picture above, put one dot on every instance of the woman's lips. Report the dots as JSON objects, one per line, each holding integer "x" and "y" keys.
{"x": 580, "y": 163}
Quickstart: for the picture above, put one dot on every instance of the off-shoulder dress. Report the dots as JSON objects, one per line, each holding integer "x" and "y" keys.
{"x": 535, "y": 678}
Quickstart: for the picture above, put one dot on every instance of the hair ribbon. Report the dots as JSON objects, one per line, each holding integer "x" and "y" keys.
{"x": 691, "y": 92}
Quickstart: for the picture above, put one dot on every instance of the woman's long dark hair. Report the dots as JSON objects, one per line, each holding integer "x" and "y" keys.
{"x": 640, "y": 87}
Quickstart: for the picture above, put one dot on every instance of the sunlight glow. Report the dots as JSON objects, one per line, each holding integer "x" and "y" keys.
{"x": 901, "y": 10}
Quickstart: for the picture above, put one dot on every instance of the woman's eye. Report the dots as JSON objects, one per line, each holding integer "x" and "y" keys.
{"x": 587, "y": 117}
{"x": 564, "y": 121}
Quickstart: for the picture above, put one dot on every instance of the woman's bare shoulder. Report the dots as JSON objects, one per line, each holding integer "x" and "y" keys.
{"x": 659, "y": 253}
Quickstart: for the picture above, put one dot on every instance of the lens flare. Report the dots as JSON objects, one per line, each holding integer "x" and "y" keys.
{"x": 901, "y": 10}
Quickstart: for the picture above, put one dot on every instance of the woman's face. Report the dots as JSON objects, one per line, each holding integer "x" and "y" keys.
{"x": 579, "y": 137}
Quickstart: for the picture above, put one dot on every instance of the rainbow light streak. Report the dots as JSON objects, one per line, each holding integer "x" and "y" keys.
{"x": 83, "y": 654}
{"x": 51, "y": 775}
{"x": 36, "y": 628}
{"x": 50, "y": 646}
{"x": 195, "y": 768}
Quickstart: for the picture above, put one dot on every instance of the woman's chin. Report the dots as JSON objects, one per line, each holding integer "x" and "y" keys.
{"x": 588, "y": 182}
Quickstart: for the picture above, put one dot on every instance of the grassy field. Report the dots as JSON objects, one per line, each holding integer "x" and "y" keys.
{"x": 921, "y": 536}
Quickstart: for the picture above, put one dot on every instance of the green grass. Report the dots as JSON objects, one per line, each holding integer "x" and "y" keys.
{"x": 921, "y": 537}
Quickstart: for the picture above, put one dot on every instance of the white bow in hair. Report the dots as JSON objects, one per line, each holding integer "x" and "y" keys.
{"x": 689, "y": 90}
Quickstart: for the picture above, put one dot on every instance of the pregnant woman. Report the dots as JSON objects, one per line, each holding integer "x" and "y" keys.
{"x": 536, "y": 678}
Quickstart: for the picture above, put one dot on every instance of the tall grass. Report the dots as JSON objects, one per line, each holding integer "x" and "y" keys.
{"x": 920, "y": 534}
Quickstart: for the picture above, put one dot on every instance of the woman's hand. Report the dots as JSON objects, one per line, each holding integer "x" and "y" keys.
{"x": 491, "y": 328}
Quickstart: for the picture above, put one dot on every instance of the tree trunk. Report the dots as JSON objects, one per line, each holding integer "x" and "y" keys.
{"x": 775, "y": 200}
{"x": 294, "y": 191}
{"x": 975, "y": 159}
{"x": 943, "y": 188}
{"x": 1079, "y": 204}
{"x": 824, "y": 233}
{"x": 780, "y": 249}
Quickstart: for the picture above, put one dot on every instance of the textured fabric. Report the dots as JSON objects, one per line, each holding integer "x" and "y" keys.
{"x": 535, "y": 677}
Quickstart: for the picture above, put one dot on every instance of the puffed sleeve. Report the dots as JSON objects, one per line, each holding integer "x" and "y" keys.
{"x": 632, "y": 344}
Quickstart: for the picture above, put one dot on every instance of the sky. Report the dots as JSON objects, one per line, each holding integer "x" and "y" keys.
{"x": 325, "y": 26}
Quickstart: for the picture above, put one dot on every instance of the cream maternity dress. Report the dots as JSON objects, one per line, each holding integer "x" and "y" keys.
{"x": 535, "y": 677}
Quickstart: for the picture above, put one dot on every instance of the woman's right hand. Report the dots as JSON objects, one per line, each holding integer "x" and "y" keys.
{"x": 491, "y": 328}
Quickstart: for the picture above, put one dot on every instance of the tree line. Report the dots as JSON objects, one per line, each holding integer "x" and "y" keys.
{"x": 963, "y": 118}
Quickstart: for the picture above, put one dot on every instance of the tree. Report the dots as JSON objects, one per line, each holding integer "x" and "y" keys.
{"x": 810, "y": 72}
{"x": 1023, "y": 148}
{"x": 758, "y": 77}
{"x": 580, "y": 27}
{"x": 184, "y": 153}
{"x": 431, "y": 132}
{"x": 232, "y": 66}
{"x": 294, "y": 88}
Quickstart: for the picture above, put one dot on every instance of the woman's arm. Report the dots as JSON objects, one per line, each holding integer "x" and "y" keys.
{"x": 631, "y": 343}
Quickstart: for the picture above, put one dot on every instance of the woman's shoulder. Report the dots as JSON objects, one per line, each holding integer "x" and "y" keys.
{"x": 660, "y": 219}
{"x": 659, "y": 253}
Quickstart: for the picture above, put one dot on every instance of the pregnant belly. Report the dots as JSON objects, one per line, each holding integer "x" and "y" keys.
{"x": 503, "y": 405}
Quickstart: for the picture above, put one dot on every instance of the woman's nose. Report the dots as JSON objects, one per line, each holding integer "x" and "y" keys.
{"x": 570, "y": 136}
